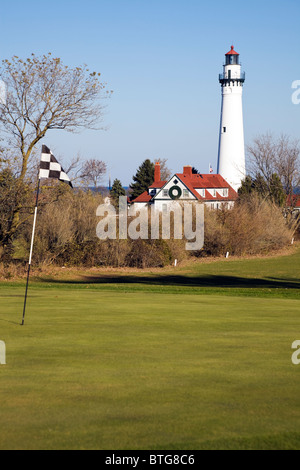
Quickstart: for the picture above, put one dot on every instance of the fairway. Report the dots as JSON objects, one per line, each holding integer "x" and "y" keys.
{"x": 151, "y": 364}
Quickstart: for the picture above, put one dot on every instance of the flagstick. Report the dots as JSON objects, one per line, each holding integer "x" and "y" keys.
{"x": 31, "y": 250}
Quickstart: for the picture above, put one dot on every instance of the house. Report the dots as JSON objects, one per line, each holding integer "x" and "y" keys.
{"x": 210, "y": 189}
{"x": 293, "y": 202}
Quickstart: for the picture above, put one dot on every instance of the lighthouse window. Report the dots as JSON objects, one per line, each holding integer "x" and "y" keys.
{"x": 224, "y": 129}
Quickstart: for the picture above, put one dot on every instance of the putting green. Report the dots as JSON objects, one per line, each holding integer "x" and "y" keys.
{"x": 109, "y": 369}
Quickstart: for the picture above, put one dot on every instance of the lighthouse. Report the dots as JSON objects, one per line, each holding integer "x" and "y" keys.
{"x": 231, "y": 157}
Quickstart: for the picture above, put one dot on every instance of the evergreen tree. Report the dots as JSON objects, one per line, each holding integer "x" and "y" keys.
{"x": 117, "y": 190}
{"x": 277, "y": 192}
{"x": 261, "y": 186}
{"x": 247, "y": 187}
{"x": 143, "y": 179}
{"x": 271, "y": 190}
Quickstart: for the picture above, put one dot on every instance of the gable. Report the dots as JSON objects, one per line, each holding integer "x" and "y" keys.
{"x": 183, "y": 189}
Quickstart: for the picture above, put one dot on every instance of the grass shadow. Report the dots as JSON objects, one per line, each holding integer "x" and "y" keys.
{"x": 220, "y": 281}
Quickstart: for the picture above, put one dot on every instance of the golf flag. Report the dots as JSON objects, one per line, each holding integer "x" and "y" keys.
{"x": 50, "y": 168}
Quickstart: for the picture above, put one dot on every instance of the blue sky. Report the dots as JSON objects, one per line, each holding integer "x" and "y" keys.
{"x": 162, "y": 59}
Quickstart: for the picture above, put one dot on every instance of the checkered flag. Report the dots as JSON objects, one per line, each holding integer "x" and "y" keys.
{"x": 50, "y": 168}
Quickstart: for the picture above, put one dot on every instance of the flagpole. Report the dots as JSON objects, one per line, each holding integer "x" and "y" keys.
{"x": 31, "y": 249}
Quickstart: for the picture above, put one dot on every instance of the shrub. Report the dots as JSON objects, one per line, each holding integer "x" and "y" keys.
{"x": 66, "y": 235}
{"x": 149, "y": 254}
{"x": 253, "y": 226}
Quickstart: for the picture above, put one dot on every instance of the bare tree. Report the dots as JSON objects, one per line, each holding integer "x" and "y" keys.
{"x": 93, "y": 171}
{"x": 287, "y": 163}
{"x": 43, "y": 94}
{"x": 268, "y": 156}
{"x": 262, "y": 156}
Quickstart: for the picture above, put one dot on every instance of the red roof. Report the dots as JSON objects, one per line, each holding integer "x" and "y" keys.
{"x": 205, "y": 181}
{"x": 232, "y": 52}
{"x": 144, "y": 197}
{"x": 157, "y": 184}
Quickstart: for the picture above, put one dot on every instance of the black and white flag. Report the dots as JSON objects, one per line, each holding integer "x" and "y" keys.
{"x": 50, "y": 168}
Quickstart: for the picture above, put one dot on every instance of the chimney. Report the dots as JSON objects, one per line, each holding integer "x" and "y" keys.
{"x": 157, "y": 172}
{"x": 187, "y": 171}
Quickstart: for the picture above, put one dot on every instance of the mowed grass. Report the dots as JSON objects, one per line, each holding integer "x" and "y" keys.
{"x": 195, "y": 358}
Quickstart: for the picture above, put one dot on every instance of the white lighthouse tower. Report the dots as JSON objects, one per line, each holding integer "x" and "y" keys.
{"x": 231, "y": 158}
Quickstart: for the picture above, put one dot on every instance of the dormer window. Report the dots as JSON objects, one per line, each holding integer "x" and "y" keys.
{"x": 201, "y": 192}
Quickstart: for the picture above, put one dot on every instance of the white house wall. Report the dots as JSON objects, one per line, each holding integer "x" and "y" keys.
{"x": 168, "y": 204}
